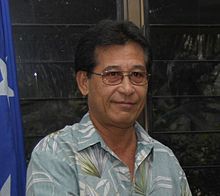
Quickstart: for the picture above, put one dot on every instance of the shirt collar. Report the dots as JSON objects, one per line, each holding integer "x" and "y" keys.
{"x": 145, "y": 144}
{"x": 88, "y": 135}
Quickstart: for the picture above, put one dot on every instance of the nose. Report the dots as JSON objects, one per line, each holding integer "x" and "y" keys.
{"x": 126, "y": 87}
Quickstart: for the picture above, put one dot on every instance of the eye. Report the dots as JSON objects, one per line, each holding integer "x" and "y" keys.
{"x": 113, "y": 73}
{"x": 138, "y": 74}
{"x": 112, "y": 77}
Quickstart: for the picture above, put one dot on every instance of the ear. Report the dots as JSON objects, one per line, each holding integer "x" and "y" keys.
{"x": 82, "y": 82}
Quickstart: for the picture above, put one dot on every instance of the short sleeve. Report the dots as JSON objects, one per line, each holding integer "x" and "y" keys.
{"x": 185, "y": 190}
{"x": 48, "y": 174}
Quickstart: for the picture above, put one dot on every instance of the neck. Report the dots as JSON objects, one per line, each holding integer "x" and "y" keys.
{"x": 121, "y": 140}
{"x": 118, "y": 139}
{"x": 114, "y": 136}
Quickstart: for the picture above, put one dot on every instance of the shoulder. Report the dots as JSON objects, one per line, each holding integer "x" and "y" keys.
{"x": 164, "y": 155}
{"x": 60, "y": 144}
{"x": 166, "y": 167}
{"x": 67, "y": 141}
{"x": 53, "y": 165}
{"x": 62, "y": 137}
{"x": 166, "y": 163}
{"x": 160, "y": 151}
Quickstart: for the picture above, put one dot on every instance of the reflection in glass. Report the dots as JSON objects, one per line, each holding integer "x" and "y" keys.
{"x": 185, "y": 43}
{"x": 204, "y": 181}
{"x": 47, "y": 80}
{"x": 41, "y": 118}
{"x": 193, "y": 149}
{"x": 186, "y": 114}
{"x": 185, "y": 78}
{"x": 46, "y": 43}
{"x": 65, "y": 11}
{"x": 184, "y": 12}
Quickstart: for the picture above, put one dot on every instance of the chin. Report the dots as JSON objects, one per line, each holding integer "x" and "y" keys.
{"x": 124, "y": 120}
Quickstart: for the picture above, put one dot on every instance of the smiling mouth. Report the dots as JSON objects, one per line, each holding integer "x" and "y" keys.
{"x": 125, "y": 105}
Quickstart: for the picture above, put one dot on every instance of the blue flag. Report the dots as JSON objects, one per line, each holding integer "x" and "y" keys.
{"x": 12, "y": 161}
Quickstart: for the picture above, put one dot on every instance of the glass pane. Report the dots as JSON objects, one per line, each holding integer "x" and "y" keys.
{"x": 30, "y": 143}
{"x": 185, "y": 114}
{"x": 209, "y": 11}
{"x": 43, "y": 117}
{"x": 185, "y": 43}
{"x": 204, "y": 181}
{"x": 47, "y": 80}
{"x": 171, "y": 11}
{"x": 46, "y": 43}
{"x": 199, "y": 149}
{"x": 184, "y": 12}
{"x": 170, "y": 78}
{"x": 66, "y": 11}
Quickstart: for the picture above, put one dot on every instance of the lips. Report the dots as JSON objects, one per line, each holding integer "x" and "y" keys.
{"x": 123, "y": 102}
{"x": 125, "y": 105}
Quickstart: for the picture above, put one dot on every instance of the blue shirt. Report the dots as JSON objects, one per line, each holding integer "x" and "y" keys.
{"x": 76, "y": 161}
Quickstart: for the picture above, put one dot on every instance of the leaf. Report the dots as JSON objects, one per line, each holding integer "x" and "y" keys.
{"x": 101, "y": 183}
{"x": 107, "y": 188}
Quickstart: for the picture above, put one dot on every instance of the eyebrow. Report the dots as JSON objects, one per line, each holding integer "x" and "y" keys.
{"x": 139, "y": 67}
{"x": 142, "y": 67}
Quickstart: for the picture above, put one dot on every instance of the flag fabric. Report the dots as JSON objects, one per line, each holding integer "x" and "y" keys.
{"x": 12, "y": 160}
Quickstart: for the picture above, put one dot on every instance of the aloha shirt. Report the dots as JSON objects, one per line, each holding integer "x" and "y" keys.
{"x": 76, "y": 161}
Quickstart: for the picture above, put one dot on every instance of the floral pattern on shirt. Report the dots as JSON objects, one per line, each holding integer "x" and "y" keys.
{"x": 76, "y": 161}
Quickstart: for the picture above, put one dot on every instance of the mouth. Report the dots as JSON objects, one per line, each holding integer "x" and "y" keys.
{"x": 125, "y": 102}
{"x": 125, "y": 105}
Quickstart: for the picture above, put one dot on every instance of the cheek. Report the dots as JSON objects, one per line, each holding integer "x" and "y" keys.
{"x": 99, "y": 95}
{"x": 142, "y": 97}
{"x": 142, "y": 93}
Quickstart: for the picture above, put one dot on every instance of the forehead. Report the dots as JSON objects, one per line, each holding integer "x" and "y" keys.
{"x": 129, "y": 54}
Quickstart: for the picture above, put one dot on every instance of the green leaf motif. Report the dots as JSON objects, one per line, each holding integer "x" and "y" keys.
{"x": 92, "y": 161}
{"x": 141, "y": 182}
{"x": 88, "y": 166}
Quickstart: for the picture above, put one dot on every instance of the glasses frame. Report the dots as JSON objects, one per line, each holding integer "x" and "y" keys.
{"x": 124, "y": 73}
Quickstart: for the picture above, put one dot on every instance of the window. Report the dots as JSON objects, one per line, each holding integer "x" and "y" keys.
{"x": 184, "y": 105}
{"x": 45, "y": 34}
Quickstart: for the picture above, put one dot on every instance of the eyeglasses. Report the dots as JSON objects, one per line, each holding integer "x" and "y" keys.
{"x": 138, "y": 78}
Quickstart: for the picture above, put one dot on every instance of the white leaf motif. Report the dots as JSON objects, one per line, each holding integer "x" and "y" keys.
{"x": 107, "y": 188}
{"x": 101, "y": 183}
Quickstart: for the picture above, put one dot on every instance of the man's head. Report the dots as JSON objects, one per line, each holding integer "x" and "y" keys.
{"x": 107, "y": 33}
{"x": 111, "y": 69}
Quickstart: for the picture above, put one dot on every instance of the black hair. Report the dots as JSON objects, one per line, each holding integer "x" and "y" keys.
{"x": 107, "y": 33}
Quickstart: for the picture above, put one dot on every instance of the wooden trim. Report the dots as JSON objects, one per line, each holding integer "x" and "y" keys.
{"x": 134, "y": 11}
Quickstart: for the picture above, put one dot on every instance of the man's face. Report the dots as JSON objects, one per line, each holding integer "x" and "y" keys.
{"x": 117, "y": 105}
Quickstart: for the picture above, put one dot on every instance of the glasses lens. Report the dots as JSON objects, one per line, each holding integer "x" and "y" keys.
{"x": 138, "y": 77}
{"x": 112, "y": 77}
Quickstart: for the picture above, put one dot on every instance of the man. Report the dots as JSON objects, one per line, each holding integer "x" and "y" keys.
{"x": 108, "y": 152}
